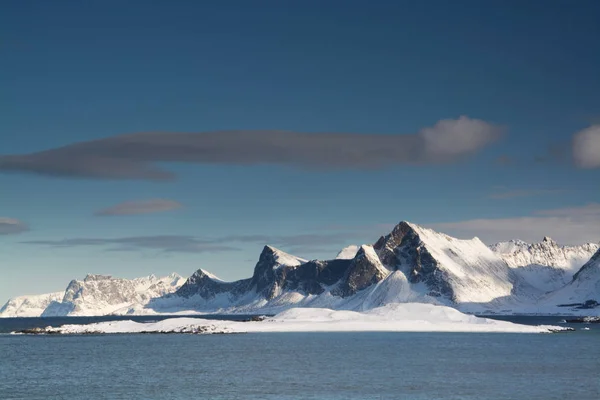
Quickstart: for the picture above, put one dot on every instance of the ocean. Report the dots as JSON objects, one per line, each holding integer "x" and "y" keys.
{"x": 300, "y": 365}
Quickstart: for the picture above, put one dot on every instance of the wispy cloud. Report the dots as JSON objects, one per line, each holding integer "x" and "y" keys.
{"x": 166, "y": 243}
{"x": 192, "y": 244}
{"x": 511, "y": 194}
{"x": 9, "y": 226}
{"x": 140, "y": 207}
{"x": 573, "y": 225}
{"x": 586, "y": 147}
{"x": 136, "y": 156}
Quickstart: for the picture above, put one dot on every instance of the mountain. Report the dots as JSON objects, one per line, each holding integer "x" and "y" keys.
{"x": 459, "y": 271}
{"x": 101, "y": 294}
{"x": 409, "y": 264}
{"x": 585, "y": 286}
{"x": 29, "y": 306}
{"x": 545, "y": 265}
{"x": 517, "y": 253}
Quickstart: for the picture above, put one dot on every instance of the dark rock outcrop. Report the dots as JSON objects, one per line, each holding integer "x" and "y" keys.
{"x": 364, "y": 270}
{"x": 403, "y": 249}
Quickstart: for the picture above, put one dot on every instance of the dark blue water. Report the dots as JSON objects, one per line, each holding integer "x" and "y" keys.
{"x": 303, "y": 366}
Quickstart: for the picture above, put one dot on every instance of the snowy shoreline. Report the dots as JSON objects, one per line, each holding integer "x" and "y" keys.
{"x": 406, "y": 317}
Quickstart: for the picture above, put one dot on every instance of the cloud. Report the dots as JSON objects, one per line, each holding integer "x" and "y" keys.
{"x": 586, "y": 147}
{"x": 9, "y": 226}
{"x": 192, "y": 244}
{"x": 511, "y": 194}
{"x": 140, "y": 207}
{"x": 136, "y": 156}
{"x": 574, "y": 225}
{"x": 166, "y": 243}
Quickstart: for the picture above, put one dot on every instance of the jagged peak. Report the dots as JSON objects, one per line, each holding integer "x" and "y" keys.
{"x": 97, "y": 277}
{"x": 202, "y": 274}
{"x": 369, "y": 252}
{"x": 280, "y": 257}
{"x": 548, "y": 240}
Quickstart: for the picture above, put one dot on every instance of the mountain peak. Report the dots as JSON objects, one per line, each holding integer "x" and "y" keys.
{"x": 96, "y": 277}
{"x": 276, "y": 257}
{"x": 204, "y": 274}
{"x": 548, "y": 240}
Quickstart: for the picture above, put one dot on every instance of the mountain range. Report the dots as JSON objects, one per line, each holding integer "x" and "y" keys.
{"x": 410, "y": 264}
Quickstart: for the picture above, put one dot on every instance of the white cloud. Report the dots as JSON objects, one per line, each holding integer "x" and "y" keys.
{"x": 586, "y": 147}
{"x": 457, "y": 137}
{"x": 574, "y": 225}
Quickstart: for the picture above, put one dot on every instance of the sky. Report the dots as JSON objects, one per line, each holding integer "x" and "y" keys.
{"x": 150, "y": 137}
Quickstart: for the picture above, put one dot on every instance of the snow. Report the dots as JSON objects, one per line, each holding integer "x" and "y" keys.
{"x": 29, "y": 306}
{"x": 347, "y": 253}
{"x": 518, "y": 253}
{"x": 103, "y": 295}
{"x": 474, "y": 272}
{"x": 283, "y": 258}
{"x": 585, "y": 286}
{"x": 481, "y": 279}
{"x": 407, "y": 317}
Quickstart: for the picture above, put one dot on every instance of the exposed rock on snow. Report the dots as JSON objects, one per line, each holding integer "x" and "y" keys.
{"x": 457, "y": 270}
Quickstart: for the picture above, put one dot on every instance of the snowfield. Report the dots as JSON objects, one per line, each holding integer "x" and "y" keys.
{"x": 406, "y": 317}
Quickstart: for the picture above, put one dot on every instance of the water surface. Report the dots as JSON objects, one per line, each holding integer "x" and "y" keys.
{"x": 302, "y": 366}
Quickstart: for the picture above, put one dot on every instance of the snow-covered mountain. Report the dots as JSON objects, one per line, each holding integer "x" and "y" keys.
{"x": 585, "y": 286}
{"x": 29, "y": 306}
{"x": 101, "y": 295}
{"x": 570, "y": 258}
{"x": 410, "y": 264}
{"x": 545, "y": 265}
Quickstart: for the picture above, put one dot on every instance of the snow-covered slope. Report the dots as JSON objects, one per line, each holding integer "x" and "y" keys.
{"x": 101, "y": 295}
{"x": 585, "y": 286}
{"x": 29, "y": 306}
{"x": 517, "y": 254}
{"x": 347, "y": 253}
{"x": 408, "y": 317}
{"x": 545, "y": 265}
{"x": 461, "y": 271}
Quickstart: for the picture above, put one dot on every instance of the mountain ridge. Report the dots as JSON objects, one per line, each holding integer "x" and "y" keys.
{"x": 411, "y": 263}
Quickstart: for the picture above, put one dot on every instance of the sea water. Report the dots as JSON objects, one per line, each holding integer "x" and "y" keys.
{"x": 303, "y": 366}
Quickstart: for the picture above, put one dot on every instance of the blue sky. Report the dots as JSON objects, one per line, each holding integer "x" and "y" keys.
{"x": 82, "y": 72}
